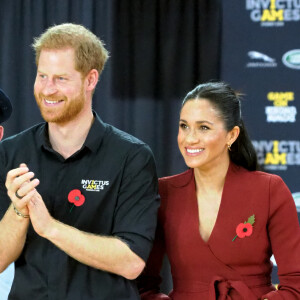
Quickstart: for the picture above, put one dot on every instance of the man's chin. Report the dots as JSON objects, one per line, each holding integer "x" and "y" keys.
{"x": 58, "y": 119}
{"x": 50, "y": 118}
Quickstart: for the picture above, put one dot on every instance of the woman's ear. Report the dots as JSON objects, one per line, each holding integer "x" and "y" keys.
{"x": 233, "y": 134}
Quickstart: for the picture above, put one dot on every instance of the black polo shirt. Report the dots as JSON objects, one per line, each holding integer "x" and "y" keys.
{"x": 116, "y": 174}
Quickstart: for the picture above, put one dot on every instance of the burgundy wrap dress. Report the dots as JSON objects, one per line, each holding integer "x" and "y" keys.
{"x": 224, "y": 267}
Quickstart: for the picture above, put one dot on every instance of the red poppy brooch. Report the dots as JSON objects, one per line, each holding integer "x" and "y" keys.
{"x": 245, "y": 229}
{"x": 76, "y": 198}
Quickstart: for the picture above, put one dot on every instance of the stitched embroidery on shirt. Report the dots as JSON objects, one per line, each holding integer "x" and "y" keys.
{"x": 93, "y": 185}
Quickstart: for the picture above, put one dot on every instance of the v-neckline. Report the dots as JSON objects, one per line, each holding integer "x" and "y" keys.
{"x": 196, "y": 210}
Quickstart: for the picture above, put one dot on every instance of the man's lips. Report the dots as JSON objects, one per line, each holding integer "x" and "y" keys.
{"x": 51, "y": 102}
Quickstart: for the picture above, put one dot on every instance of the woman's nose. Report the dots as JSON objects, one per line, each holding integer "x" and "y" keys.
{"x": 192, "y": 137}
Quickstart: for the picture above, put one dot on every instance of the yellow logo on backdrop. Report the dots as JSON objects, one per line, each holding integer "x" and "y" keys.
{"x": 275, "y": 158}
{"x": 280, "y": 98}
{"x": 280, "y": 112}
{"x": 277, "y": 155}
{"x": 273, "y": 12}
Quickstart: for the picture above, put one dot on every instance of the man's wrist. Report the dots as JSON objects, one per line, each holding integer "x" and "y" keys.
{"x": 19, "y": 213}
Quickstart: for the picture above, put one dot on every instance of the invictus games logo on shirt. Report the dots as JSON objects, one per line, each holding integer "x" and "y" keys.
{"x": 277, "y": 155}
{"x": 280, "y": 112}
{"x": 93, "y": 185}
{"x": 273, "y": 13}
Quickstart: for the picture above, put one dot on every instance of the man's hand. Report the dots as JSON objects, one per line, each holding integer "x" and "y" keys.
{"x": 40, "y": 218}
{"x": 19, "y": 181}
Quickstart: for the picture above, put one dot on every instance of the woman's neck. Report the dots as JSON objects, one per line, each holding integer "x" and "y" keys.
{"x": 211, "y": 179}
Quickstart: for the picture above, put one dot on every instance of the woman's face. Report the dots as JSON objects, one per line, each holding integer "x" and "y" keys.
{"x": 202, "y": 138}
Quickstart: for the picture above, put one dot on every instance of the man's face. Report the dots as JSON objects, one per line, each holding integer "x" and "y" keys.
{"x": 59, "y": 88}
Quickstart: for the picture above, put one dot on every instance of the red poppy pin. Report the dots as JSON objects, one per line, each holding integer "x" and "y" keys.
{"x": 245, "y": 229}
{"x": 76, "y": 198}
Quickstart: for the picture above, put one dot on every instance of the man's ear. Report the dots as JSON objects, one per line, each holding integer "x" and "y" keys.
{"x": 92, "y": 79}
{"x": 1, "y": 132}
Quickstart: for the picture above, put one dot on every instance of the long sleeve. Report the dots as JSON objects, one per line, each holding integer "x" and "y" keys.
{"x": 150, "y": 280}
{"x": 284, "y": 234}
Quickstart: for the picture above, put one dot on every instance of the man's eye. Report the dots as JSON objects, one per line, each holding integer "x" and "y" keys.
{"x": 182, "y": 126}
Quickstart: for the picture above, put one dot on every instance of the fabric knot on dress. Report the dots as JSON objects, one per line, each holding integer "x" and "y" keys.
{"x": 223, "y": 289}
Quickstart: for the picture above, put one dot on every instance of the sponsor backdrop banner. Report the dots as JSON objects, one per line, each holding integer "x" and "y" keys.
{"x": 261, "y": 59}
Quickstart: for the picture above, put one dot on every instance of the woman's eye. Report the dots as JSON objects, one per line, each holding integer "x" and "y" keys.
{"x": 203, "y": 127}
{"x": 182, "y": 126}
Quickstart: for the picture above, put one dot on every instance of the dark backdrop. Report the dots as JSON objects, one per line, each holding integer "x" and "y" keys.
{"x": 160, "y": 49}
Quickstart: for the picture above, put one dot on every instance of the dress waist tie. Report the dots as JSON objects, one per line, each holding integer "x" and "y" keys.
{"x": 221, "y": 288}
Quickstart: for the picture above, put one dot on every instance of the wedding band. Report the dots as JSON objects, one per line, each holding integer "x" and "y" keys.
{"x": 17, "y": 195}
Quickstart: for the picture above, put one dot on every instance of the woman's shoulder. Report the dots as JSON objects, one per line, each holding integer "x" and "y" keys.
{"x": 168, "y": 184}
{"x": 178, "y": 180}
{"x": 258, "y": 175}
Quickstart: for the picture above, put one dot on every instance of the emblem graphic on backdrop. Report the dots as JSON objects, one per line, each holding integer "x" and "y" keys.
{"x": 296, "y": 197}
{"x": 277, "y": 155}
{"x": 273, "y": 13}
{"x": 291, "y": 59}
{"x": 280, "y": 111}
{"x": 260, "y": 60}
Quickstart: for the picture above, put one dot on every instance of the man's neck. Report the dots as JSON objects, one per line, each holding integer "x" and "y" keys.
{"x": 68, "y": 138}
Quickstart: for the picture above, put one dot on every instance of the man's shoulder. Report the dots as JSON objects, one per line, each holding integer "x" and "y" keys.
{"x": 121, "y": 136}
{"x": 123, "y": 142}
{"x": 23, "y": 136}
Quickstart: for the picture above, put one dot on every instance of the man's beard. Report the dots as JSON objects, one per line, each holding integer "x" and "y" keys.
{"x": 61, "y": 115}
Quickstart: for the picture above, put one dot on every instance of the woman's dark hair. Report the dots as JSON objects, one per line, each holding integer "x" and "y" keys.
{"x": 228, "y": 104}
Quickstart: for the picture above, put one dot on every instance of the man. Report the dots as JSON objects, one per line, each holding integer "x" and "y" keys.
{"x": 81, "y": 213}
{"x": 6, "y": 277}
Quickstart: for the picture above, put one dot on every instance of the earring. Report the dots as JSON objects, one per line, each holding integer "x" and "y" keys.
{"x": 229, "y": 147}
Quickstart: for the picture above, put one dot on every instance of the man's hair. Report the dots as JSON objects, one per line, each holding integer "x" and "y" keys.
{"x": 89, "y": 49}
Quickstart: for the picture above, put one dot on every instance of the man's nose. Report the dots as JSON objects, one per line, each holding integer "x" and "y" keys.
{"x": 49, "y": 88}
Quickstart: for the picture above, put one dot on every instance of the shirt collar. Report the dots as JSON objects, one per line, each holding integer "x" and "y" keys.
{"x": 93, "y": 139}
{"x": 96, "y": 133}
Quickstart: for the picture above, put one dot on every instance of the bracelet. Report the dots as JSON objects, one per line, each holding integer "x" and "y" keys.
{"x": 19, "y": 213}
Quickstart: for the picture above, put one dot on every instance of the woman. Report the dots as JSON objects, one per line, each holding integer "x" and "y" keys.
{"x": 220, "y": 221}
